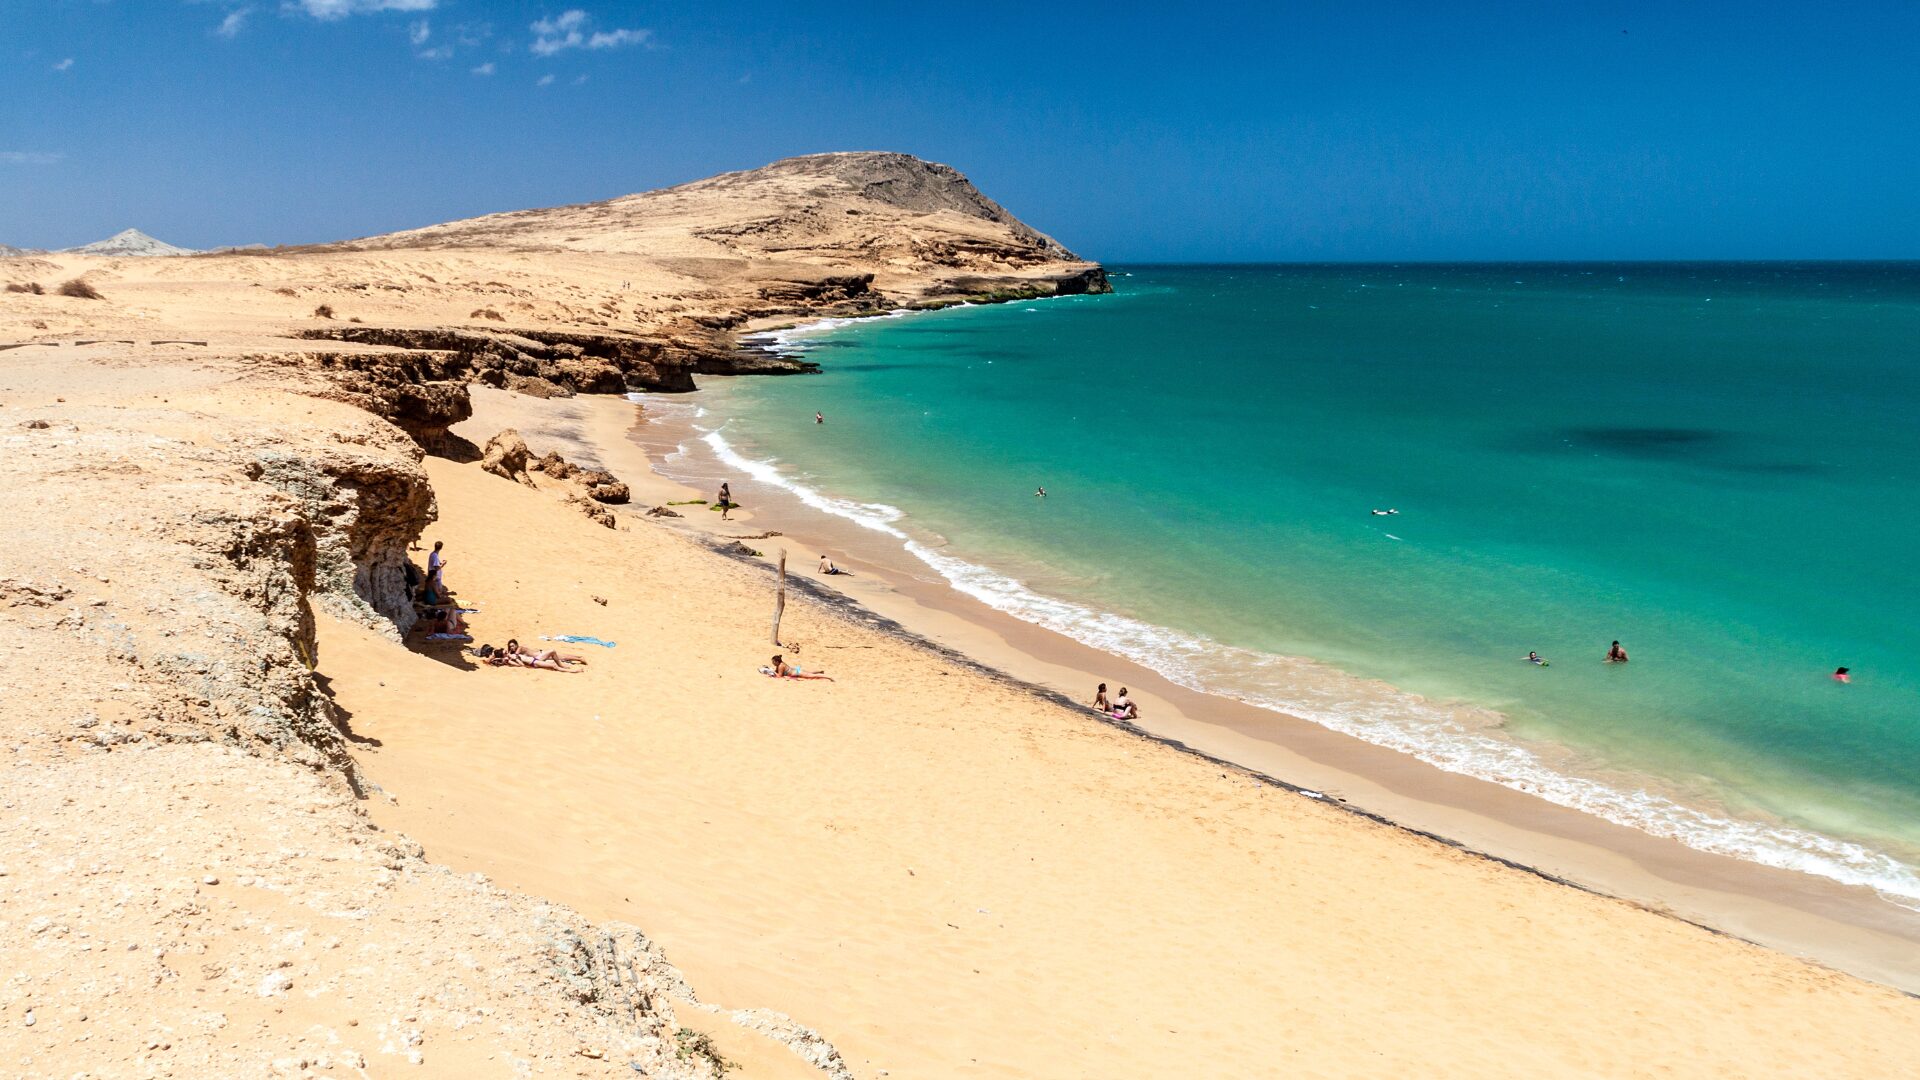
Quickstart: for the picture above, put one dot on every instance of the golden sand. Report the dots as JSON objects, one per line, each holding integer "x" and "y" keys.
{"x": 948, "y": 875}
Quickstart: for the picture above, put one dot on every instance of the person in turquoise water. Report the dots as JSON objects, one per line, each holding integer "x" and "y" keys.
{"x": 1536, "y": 658}
{"x": 1842, "y": 675}
{"x": 1616, "y": 655}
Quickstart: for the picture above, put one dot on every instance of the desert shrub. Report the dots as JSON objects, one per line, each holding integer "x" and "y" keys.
{"x": 77, "y": 288}
{"x": 698, "y": 1045}
{"x": 355, "y": 318}
{"x": 30, "y": 287}
{"x": 487, "y": 313}
{"x": 284, "y": 291}
{"x": 324, "y": 311}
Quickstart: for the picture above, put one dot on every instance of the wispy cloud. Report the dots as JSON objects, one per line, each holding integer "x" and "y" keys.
{"x": 572, "y": 29}
{"x": 330, "y": 10}
{"x": 229, "y": 27}
{"x": 613, "y": 39}
{"x": 545, "y": 80}
{"x": 484, "y": 69}
{"x": 29, "y": 157}
{"x": 64, "y": 65}
{"x": 419, "y": 32}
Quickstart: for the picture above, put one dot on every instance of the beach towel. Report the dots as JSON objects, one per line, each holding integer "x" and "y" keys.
{"x": 579, "y": 639}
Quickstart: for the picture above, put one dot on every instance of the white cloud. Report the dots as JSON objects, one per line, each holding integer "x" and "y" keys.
{"x": 545, "y": 80}
{"x": 419, "y": 32}
{"x": 579, "y": 80}
{"x": 29, "y": 157}
{"x": 569, "y": 30}
{"x": 330, "y": 10}
{"x": 484, "y": 69}
{"x": 613, "y": 39}
{"x": 64, "y": 64}
{"x": 230, "y": 26}
{"x": 438, "y": 52}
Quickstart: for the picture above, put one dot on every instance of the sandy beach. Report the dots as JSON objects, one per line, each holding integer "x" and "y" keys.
{"x": 950, "y": 874}
{"x": 258, "y": 824}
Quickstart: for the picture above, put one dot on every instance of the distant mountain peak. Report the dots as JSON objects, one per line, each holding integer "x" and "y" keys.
{"x": 129, "y": 242}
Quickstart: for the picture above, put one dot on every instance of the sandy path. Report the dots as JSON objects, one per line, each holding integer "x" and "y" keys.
{"x": 949, "y": 877}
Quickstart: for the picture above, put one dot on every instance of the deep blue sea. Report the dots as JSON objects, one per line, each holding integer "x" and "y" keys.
{"x": 1716, "y": 464}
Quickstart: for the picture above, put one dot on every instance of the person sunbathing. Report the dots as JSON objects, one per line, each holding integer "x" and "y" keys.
{"x": 783, "y": 670}
{"x": 514, "y": 649}
{"x": 514, "y": 656}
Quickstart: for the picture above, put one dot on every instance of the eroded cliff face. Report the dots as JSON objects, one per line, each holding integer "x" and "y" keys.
{"x": 187, "y": 546}
{"x": 179, "y": 778}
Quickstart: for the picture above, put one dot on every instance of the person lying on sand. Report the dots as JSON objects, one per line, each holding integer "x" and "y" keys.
{"x": 783, "y": 670}
{"x": 827, "y": 567}
{"x": 514, "y": 656}
{"x": 514, "y": 649}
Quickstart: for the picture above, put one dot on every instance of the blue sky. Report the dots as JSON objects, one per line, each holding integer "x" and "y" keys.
{"x": 1278, "y": 131}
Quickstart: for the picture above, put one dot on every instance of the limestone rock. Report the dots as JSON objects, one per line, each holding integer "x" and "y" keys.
{"x": 553, "y": 465}
{"x": 600, "y": 514}
{"x": 611, "y": 492}
{"x": 505, "y": 455}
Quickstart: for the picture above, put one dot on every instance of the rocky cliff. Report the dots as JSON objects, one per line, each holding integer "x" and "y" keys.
{"x": 190, "y": 886}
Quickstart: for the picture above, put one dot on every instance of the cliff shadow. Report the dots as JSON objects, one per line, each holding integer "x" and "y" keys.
{"x": 451, "y": 653}
{"x": 342, "y": 718}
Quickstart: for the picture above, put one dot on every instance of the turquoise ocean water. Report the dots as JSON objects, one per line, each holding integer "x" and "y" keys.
{"x": 1714, "y": 463}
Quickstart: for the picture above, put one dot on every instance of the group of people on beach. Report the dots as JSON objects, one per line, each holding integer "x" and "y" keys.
{"x": 1122, "y": 707}
{"x": 442, "y": 617}
{"x": 434, "y": 607}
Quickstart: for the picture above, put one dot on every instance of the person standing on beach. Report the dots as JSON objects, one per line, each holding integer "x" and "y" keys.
{"x": 725, "y": 500}
{"x": 1616, "y": 655}
{"x": 436, "y": 563}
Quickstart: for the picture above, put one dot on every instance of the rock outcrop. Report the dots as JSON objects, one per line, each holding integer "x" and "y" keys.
{"x": 506, "y": 456}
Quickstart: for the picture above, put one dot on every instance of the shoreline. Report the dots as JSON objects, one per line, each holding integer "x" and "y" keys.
{"x": 1402, "y": 721}
{"x": 1848, "y": 928}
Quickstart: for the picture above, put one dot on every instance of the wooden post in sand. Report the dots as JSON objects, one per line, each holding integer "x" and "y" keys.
{"x": 780, "y": 597}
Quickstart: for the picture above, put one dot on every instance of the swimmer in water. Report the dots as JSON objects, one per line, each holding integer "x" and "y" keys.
{"x": 819, "y": 418}
{"x": 1616, "y": 655}
{"x": 1378, "y": 513}
{"x": 1536, "y": 658}
{"x": 1039, "y": 493}
{"x": 1842, "y": 675}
